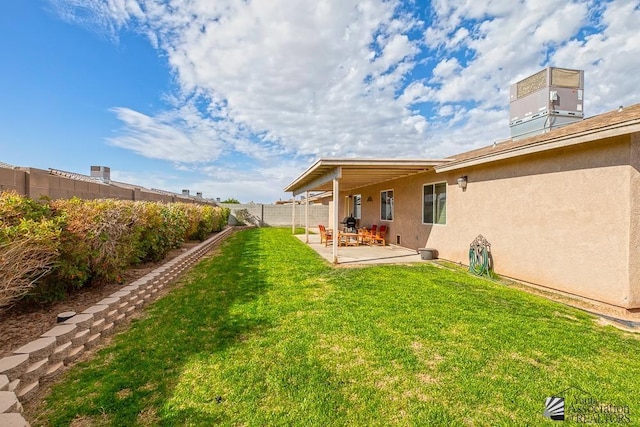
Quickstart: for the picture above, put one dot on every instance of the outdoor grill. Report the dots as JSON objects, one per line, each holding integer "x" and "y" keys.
{"x": 349, "y": 224}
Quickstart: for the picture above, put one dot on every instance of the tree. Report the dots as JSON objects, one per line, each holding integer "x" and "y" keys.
{"x": 231, "y": 201}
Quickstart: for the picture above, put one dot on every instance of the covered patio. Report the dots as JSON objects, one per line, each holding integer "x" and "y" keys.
{"x": 341, "y": 177}
{"x": 362, "y": 254}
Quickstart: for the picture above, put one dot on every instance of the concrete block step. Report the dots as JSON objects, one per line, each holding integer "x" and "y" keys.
{"x": 14, "y": 366}
{"x": 13, "y": 420}
{"x": 108, "y": 329}
{"x": 80, "y": 338}
{"x": 62, "y": 333}
{"x": 98, "y": 311}
{"x": 9, "y": 402}
{"x": 110, "y": 301}
{"x": 119, "y": 319}
{"x": 92, "y": 341}
{"x": 38, "y": 349}
{"x": 27, "y": 392}
{"x": 35, "y": 371}
{"x": 111, "y": 316}
{"x": 54, "y": 369}
{"x": 60, "y": 353}
{"x": 120, "y": 294}
{"x": 4, "y": 382}
{"x": 122, "y": 307}
{"x": 83, "y": 320}
{"x": 97, "y": 326}
{"x": 13, "y": 385}
{"x": 74, "y": 354}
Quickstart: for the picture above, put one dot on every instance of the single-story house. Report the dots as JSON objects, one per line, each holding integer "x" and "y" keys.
{"x": 561, "y": 209}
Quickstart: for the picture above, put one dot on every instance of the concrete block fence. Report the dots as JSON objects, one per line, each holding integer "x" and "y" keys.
{"x": 44, "y": 358}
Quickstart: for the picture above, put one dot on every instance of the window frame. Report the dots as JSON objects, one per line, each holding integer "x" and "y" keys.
{"x": 392, "y": 204}
{"x": 357, "y": 214}
{"x": 434, "y": 203}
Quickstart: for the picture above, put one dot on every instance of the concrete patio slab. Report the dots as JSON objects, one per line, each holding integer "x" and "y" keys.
{"x": 363, "y": 254}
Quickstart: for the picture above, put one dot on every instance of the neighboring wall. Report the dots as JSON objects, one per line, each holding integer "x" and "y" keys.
{"x": 282, "y": 215}
{"x": 561, "y": 219}
{"x": 35, "y": 183}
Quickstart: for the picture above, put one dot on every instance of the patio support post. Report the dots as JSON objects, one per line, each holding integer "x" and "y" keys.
{"x": 293, "y": 214}
{"x": 336, "y": 199}
{"x": 306, "y": 217}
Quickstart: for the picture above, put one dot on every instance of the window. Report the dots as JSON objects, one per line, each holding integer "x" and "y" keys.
{"x": 434, "y": 202}
{"x": 386, "y": 205}
{"x": 357, "y": 206}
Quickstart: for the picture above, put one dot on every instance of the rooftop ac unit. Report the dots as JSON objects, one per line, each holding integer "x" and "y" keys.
{"x": 546, "y": 100}
{"x": 102, "y": 173}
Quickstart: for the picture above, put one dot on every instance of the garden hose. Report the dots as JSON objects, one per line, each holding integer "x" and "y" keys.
{"x": 479, "y": 261}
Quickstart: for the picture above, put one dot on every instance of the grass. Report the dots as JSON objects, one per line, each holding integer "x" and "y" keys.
{"x": 267, "y": 333}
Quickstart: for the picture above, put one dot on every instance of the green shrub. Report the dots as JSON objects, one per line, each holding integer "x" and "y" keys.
{"x": 98, "y": 241}
{"x": 15, "y": 208}
{"x": 151, "y": 244}
{"x": 82, "y": 242}
{"x": 221, "y": 218}
{"x": 29, "y": 245}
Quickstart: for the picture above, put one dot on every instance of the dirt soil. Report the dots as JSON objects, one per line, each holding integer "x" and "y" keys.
{"x": 24, "y": 323}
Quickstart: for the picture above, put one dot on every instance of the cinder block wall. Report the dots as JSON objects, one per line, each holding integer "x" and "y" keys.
{"x": 13, "y": 180}
{"x": 281, "y": 215}
{"x": 36, "y": 183}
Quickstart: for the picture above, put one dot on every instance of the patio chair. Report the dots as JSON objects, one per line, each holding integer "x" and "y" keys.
{"x": 366, "y": 236}
{"x": 372, "y": 233}
{"x": 326, "y": 236}
{"x": 379, "y": 236}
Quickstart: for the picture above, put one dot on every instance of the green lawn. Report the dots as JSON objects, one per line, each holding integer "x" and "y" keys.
{"x": 267, "y": 333}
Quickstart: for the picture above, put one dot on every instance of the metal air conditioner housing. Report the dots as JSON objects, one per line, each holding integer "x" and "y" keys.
{"x": 101, "y": 173}
{"x": 546, "y": 100}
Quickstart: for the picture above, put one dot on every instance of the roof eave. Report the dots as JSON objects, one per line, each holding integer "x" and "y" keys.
{"x": 304, "y": 179}
{"x": 550, "y": 144}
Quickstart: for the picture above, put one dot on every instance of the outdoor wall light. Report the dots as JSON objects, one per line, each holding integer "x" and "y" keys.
{"x": 369, "y": 199}
{"x": 462, "y": 182}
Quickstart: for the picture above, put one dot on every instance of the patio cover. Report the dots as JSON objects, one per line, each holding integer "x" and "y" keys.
{"x": 337, "y": 175}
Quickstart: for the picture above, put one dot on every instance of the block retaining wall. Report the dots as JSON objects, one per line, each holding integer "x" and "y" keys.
{"x": 44, "y": 358}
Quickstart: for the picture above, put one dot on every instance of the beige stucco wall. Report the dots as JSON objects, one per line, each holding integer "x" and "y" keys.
{"x": 634, "y": 226}
{"x": 559, "y": 219}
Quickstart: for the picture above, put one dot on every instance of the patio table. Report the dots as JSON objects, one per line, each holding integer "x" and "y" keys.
{"x": 349, "y": 239}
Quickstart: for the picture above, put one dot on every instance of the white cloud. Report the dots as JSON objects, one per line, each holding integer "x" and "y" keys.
{"x": 169, "y": 136}
{"x": 287, "y": 79}
{"x": 445, "y": 69}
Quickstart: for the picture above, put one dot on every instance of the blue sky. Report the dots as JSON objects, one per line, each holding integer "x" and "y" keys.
{"x": 236, "y": 98}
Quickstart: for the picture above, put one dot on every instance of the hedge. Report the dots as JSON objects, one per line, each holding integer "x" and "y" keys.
{"x": 49, "y": 248}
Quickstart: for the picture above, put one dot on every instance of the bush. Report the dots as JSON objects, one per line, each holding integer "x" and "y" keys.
{"x": 15, "y": 208}
{"x": 151, "y": 245}
{"x": 98, "y": 241}
{"x": 29, "y": 245}
{"x": 82, "y": 242}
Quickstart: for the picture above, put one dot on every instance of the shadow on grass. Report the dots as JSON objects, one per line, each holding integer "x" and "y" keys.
{"x": 129, "y": 382}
